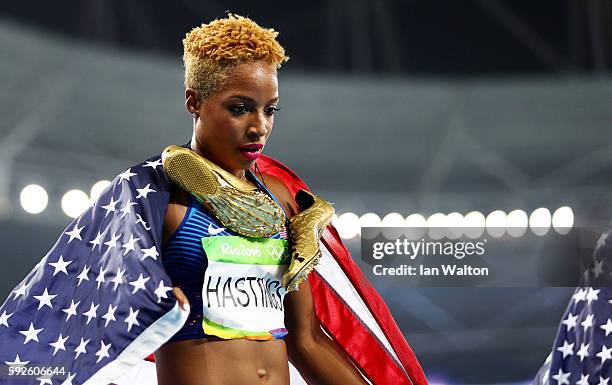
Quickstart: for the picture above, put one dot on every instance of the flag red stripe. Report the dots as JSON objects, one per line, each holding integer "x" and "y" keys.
{"x": 377, "y": 306}
{"x": 350, "y": 333}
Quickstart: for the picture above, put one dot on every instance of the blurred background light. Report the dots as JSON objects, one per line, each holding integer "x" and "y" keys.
{"x": 34, "y": 199}
{"x": 454, "y": 225}
{"x": 516, "y": 223}
{"x": 371, "y": 220}
{"x": 474, "y": 224}
{"x": 436, "y": 224}
{"x": 74, "y": 202}
{"x": 97, "y": 189}
{"x": 539, "y": 221}
{"x": 563, "y": 220}
{"x": 415, "y": 226}
{"x": 496, "y": 223}
{"x": 348, "y": 225}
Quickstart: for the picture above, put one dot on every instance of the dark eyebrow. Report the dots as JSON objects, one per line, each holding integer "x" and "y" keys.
{"x": 250, "y": 100}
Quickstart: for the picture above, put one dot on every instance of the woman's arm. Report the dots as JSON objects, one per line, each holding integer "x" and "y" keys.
{"x": 317, "y": 357}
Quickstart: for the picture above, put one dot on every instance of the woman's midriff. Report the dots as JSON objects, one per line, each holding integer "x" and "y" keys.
{"x": 217, "y": 362}
{"x": 222, "y": 362}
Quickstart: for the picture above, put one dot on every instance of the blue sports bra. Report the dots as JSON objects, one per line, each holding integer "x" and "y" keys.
{"x": 185, "y": 262}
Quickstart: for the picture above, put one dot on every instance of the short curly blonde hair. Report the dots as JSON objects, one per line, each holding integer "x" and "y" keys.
{"x": 211, "y": 50}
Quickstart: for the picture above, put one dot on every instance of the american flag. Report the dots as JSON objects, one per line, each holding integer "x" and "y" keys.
{"x": 100, "y": 301}
{"x": 582, "y": 351}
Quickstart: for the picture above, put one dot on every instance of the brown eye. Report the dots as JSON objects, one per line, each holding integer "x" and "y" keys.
{"x": 238, "y": 109}
{"x": 271, "y": 110}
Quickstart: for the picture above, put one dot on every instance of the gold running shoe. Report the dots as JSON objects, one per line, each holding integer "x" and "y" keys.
{"x": 306, "y": 229}
{"x": 237, "y": 204}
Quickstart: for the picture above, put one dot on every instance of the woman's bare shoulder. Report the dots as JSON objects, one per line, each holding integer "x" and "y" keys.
{"x": 282, "y": 193}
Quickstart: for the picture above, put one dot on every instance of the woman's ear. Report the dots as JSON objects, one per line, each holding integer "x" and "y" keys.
{"x": 192, "y": 104}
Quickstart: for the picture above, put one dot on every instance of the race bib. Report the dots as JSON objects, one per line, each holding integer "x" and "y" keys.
{"x": 242, "y": 293}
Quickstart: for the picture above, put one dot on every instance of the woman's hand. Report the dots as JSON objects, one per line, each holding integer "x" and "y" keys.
{"x": 181, "y": 297}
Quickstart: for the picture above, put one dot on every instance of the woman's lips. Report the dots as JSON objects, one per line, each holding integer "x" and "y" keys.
{"x": 251, "y": 151}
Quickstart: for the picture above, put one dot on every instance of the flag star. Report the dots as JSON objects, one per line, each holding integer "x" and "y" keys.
{"x": 570, "y": 321}
{"x": 31, "y": 334}
{"x": 97, "y": 241}
{"x": 597, "y": 270}
{"x": 118, "y": 280}
{"x": 566, "y": 349}
{"x": 130, "y": 244}
{"x": 607, "y": 327}
{"x": 603, "y": 381}
{"x": 91, "y": 313}
{"x": 605, "y": 354}
{"x": 110, "y": 207}
{"x": 580, "y": 295}
{"x": 112, "y": 242}
{"x": 4, "y": 318}
{"x": 59, "y": 344}
{"x": 127, "y": 208}
{"x": 583, "y": 352}
{"x": 110, "y": 315}
{"x": 71, "y": 310}
{"x": 103, "y": 352}
{"x": 602, "y": 240}
{"x": 69, "y": 378}
{"x": 143, "y": 192}
{"x": 20, "y": 291}
{"x": 81, "y": 348}
{"x": 44, "y": 299}
{"x": 126, "y": 175}
{"x": 43, "y": 381}
{"x": 75, "y": 233}
{"x": 562, "y": 377}
{"x": 17, "y": 361}
{"x": 153, "y": 165}
{"x": 161, "y": 291}
{"x": 150, "y": 252}
{"x": 592, "y": 295}
{"x": 588, "y": 322}
{"x": 83, "y": 275}
{"x": 100, "y": 278}
{"x": 60, "y": 265}
{"x": 144, "y": 224}
{"x": 584, "y": 379}
{"x": 131, "y": 319}
{"x": 139, "y": 283}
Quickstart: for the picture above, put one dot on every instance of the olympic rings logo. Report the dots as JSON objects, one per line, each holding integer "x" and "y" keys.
{"x": 276, "y": 252}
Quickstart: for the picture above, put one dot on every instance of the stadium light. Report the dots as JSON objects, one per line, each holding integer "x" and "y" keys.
{"x": 74, "y": 202}
{"x": 34, "y": 199}
{"x": 539, "y": 221}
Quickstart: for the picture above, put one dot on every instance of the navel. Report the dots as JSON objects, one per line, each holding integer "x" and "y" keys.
{"x": 261, "y": 372}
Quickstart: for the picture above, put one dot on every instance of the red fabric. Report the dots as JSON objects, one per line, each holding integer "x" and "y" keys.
{"x": 345, "y": 327}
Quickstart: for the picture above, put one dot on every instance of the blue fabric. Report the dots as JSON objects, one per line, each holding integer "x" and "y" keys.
{"x": 100, "y": 287}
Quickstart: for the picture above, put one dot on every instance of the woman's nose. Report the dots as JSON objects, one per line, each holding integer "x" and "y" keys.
{"x": 258, "y": 125}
